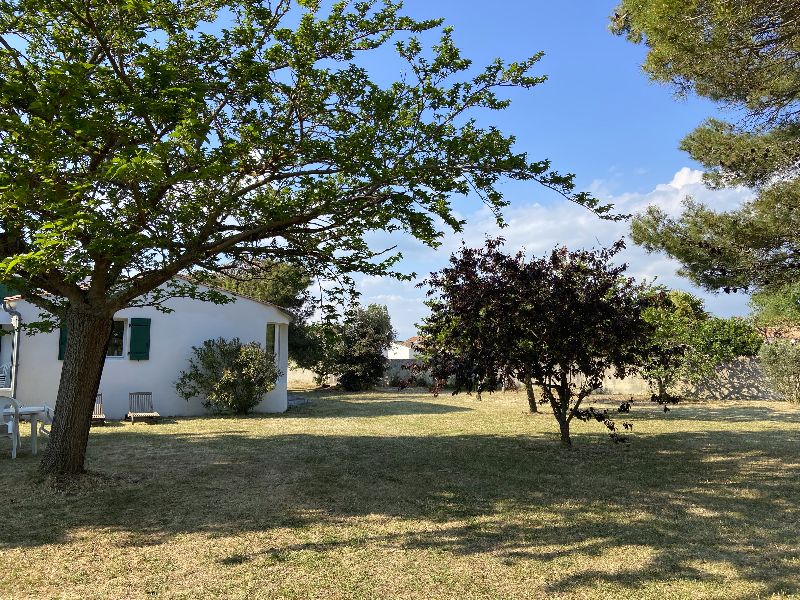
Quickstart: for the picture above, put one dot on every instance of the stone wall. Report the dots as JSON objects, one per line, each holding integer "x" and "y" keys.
{"x": 396, "y": 370}
{"x": 742, "y": 379}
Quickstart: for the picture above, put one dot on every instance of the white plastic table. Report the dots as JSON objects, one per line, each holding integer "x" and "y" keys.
{"x": 35, "y": 414}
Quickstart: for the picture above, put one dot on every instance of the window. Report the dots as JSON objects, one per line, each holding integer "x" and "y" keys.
{"x": 116, "y": 344}
{"x": 271, "y": 336}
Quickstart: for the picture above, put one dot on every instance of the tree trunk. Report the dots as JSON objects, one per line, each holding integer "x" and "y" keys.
{"x": 662, "y": 389}
{"x": 563, "y": 425}
{"x": 88, "y": 335}
{"x": 564, "y": 412}
{"x": 531, "y": 397}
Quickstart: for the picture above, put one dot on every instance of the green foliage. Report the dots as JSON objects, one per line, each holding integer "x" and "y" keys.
{"x": 142, "y": 139}
{"x": 280, "y": 283}
{"x": 756, "y": 246}
{"x": 317, "y": 351}
{"x": 674, "y": 317}
{"x": 780, "y": 360}
{"x": 743, "y": 53}
{"x": 687, "y": 344}
{"x": 722, "y": 340}
{"x": 777, "y": 309}
{"x": 357, "y": 356}
{"x": 229, "y": 376}
{"x": 350, "y": 347}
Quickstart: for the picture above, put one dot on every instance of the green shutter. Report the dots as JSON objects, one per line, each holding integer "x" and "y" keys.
{"x": 62, "y": 342}
{"x": 140, "y": 339}
{"x": 6, "y": 291}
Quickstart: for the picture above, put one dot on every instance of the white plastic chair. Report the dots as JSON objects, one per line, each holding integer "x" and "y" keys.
{"x": 10, "y": 422}
{"x": 5, "y": 375}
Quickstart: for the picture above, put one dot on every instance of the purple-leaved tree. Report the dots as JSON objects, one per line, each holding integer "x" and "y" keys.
{"x": 559, "y": 322}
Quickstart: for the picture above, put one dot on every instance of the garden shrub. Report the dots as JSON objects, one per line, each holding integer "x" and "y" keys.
{"x": 358, "y": 354}
{"x": 229, "y": 376}
{"x": 780, "y": 360}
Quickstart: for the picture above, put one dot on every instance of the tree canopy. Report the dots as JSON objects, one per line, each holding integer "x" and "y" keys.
{"x": 561, "y": 321}
{"x": 754, "y": 247}
{"x": 688, "y": 344}
{"x": 284, "y": 284}
{"x": 281, "y": 283}
{"x": 744, "y": 55}
{"x": 141, "y": 140}
{"x": 777, "y": 310}
{"x": 358, "y": 354}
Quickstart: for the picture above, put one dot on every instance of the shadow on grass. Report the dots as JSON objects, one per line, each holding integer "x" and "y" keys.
{"x": 734, "y": 411}
{"x": 328, "y": 406}
{"x": 738, "y": 413}
{"x": 725, "y": 497}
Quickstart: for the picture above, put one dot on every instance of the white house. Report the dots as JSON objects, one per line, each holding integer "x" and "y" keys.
{"x": 403, "y": 350}
{"x": 148, "y": 350}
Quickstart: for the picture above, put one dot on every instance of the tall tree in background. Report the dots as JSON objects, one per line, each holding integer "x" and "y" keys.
{"x": 358, "y": 354}
{"x": 777, "y": 310}
{"x": 281, "y": 283}
{"x": 284, "y": 284}
{"x": 744, "y": 54}
{"x": 145, "y": 139}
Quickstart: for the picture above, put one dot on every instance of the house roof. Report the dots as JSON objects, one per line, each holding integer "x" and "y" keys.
{"x": 286, "y": 311}
{"x": 409, "y": 343}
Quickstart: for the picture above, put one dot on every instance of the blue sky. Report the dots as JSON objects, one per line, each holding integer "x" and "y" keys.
{"x": 598, "y": 116}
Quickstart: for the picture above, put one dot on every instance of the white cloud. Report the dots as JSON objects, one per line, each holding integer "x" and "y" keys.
{"x": 538, "y": 228}
{"x": 686, "y": 177}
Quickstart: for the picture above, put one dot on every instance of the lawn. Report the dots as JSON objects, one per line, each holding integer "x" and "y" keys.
{"x": 402, "y": 495}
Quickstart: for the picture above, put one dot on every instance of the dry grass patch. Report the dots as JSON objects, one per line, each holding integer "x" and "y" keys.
{"x": 402, "y": 495}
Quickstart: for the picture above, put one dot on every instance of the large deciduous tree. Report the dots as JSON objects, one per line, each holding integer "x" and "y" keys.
{"x": 561, "y": 321}
{"x": 745, "y": 55}
{"x": 140, "y": 140}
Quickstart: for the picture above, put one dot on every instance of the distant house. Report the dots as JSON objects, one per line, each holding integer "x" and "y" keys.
{"x": 403, "y": 350}
{"x": 147, "y": 351}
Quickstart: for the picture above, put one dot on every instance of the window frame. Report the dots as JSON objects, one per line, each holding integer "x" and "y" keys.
{"x": 125, "y": 339}
{"x": 275, "y": 339}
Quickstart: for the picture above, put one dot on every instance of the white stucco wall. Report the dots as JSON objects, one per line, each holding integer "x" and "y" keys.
{"x": 400, "y": 352}
{"x": 171, "y": 339}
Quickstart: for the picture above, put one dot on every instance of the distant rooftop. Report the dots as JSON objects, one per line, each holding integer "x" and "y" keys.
{"x": 411, "y": 341}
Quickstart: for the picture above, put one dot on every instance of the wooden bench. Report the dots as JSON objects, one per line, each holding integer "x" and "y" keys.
{"x": 98, "y": 416}
{"x": 140, "y": 406}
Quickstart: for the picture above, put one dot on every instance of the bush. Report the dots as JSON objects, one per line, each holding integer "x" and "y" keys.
{"x": 365, "y": 335}
{"x": 229, "y": 376}
{"x": 781, "y": 363}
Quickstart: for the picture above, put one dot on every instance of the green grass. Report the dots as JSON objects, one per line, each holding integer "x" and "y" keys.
{"x": 409, "y": 496}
